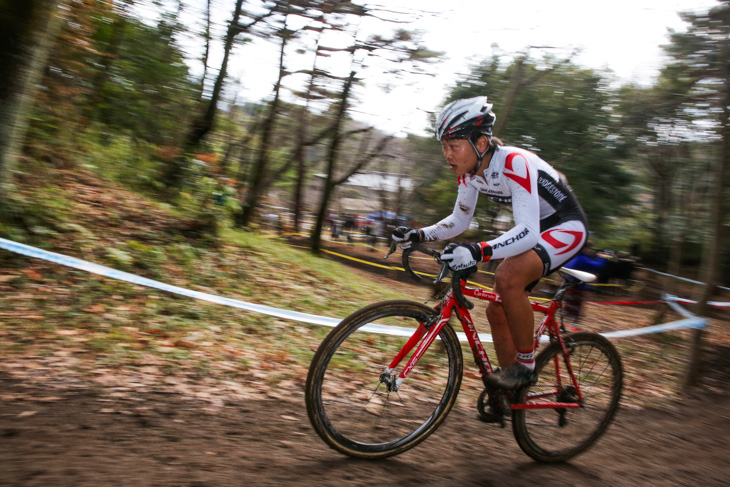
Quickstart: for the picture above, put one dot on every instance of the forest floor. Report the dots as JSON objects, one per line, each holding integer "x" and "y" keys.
{"x": 91, "y": 394}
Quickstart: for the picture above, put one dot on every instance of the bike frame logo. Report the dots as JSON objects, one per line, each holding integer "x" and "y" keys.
{"x": 476, "y": 346}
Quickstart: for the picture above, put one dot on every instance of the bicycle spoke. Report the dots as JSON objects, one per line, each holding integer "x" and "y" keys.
{"x": 557, "y": 433}
{"x": 354, "y": 407}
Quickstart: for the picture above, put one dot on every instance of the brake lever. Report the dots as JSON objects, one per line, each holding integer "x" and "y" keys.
{"x": 444, "y": 270}
{"x": 393, "y": 246}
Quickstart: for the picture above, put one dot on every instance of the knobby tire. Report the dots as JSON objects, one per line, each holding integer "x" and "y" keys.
{"x": 351, "y": 409}
{"x": 557, "y": 435}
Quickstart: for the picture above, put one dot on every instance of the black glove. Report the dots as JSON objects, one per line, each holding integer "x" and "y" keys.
{"x": 465, "y": 255}
{"x": 405, "y": 237}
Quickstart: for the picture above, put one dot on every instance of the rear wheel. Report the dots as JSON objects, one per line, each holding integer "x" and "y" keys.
{"x": 558, "y": 434}
{"x": 349, "y": 402}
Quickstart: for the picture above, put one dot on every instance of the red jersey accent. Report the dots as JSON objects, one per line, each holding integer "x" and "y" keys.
{"x": 522, "y": 181}
{"x": 484, "y": 256}
{"x": 549, "y": 238}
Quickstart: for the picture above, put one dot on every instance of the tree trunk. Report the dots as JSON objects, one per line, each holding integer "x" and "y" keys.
{"x": 204, "y": 122}
{"x": 299, "y": 157}
{"x": 300, "y": 150}
{"x": 259, "y": 180}
{"x": 515, "y": 86}
{"x": 104, "y": 72}
{"x": 711, "y": 256}
{"x": 332, "y": 151}
{"x": 29, "y": 28}
{"x": 206, "y": 52}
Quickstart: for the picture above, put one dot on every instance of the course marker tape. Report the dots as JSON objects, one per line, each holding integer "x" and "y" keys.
{"x": 692, "y": 281}
{"x": 101, "y": 270}
{"x": 27, "y": 250}
{"x": 716, "y": 304}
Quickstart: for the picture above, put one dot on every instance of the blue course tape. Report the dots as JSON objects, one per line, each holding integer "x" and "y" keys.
{"x": 690, "y": 322}
{"x": 101, "y": 270}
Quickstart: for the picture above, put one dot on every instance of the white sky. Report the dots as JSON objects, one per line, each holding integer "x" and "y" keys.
{"x": 624, "y": 36}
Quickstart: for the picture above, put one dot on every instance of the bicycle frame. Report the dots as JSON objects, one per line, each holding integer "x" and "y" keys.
{"x": 426, "y": 333}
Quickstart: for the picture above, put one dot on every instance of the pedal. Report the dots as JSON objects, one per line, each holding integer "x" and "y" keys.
{"x": 492, "y": 418}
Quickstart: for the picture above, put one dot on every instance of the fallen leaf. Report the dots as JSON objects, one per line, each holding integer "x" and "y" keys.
{"x": 94, "y": 308}
{"x": 48, "y": 399}
{"x": 30, "y": 317}
{"x": 31, "y": 274}
{"x": 68, "y": 332}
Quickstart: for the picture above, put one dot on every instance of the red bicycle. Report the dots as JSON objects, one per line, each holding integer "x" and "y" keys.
{"x": 387, "y": 376}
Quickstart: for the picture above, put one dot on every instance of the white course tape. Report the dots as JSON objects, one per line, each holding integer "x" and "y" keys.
{"x": 212, "y": 298}
{"x": 716, "y": 304}
{"x": 142, "y": 281}
{"x": 27, "y": 250}
{"x": 692, "y": 281}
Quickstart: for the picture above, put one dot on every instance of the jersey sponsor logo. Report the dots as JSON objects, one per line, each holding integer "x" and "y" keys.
{"x": 512, "y": 240}
{"x": 489, "y": 191}
{"x": 511, "y": 167}
{"x": 552, "y": 189}
{"x": 502, "y": 200}
{"x": 569, "y": 239}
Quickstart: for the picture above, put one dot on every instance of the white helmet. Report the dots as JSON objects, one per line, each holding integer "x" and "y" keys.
{"x": 464, "y": 119}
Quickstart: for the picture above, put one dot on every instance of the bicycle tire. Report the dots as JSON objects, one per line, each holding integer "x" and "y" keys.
{"x": 557, "y": 435}
{"x": 348, "y": 406}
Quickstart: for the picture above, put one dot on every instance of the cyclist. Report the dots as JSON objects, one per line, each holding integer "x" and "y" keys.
{"x": 549, "y": 226}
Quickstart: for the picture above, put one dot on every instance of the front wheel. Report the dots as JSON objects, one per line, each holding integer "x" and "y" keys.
{"x": 348, "y": 399}
{"x": 556, "y": 434}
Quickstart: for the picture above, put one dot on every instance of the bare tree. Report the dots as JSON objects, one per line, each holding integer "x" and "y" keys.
{"x": 262, "y": 174}
{"x": 203, "y": 122}
{"x": 333, "y": 148}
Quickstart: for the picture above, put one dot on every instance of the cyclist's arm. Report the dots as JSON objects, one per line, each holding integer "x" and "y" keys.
{"x": 459, "y": 220}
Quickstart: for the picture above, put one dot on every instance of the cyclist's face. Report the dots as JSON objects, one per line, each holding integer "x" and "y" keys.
{"x": 459, "y": 155}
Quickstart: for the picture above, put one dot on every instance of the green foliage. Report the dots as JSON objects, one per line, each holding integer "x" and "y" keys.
{"x": 148, "y": 92}
{"x": 34, "y": 218}
{"x": 674, "y": 128}
{"x": 121, "y": 158}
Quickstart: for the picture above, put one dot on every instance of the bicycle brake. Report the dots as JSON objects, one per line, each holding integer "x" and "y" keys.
{"x": 393, "y": 246}
{"x": 442, "y": 273}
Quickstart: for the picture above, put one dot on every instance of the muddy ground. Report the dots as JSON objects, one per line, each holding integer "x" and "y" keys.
{"x": 84, "y": 437}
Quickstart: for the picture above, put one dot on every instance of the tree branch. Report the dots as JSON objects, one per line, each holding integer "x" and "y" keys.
{"x": 365, "y": 160}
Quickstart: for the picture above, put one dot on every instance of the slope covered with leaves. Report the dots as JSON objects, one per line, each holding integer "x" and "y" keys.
{"x": 80, "y": 328}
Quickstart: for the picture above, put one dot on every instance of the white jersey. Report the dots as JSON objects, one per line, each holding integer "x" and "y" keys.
{"x": 540, "y": 200}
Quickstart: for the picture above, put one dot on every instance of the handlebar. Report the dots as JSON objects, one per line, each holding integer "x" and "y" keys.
{"x": 456, "y": 278}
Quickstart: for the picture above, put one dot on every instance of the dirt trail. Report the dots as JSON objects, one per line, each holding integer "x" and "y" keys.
{"x": 82, "y": 437}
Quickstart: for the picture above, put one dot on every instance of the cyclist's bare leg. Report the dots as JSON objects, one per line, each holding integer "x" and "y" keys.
{"x": 501, "y": 334}
{"x": 513, "y": 275}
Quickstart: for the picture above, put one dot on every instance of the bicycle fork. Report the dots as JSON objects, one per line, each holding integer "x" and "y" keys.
{"x": 426, "y": 333}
